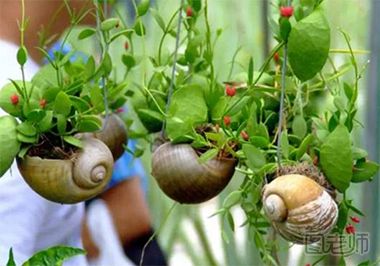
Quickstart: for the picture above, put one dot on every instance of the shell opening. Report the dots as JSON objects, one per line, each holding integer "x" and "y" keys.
{"x": 275, "y": 208}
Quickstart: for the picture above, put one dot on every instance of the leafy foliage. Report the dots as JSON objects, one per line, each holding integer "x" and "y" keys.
{"x": 53, "y": 256}
{"x": 309, "y": 44}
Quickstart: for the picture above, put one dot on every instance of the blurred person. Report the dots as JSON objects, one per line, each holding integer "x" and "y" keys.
{"x": 29, "y": 222}
{"x": 125, "y": 200}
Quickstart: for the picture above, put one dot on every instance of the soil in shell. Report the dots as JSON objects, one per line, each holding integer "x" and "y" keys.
{"x": 52, "y": 147}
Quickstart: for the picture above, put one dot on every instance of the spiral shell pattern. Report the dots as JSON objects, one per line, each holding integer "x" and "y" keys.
{"x": 300, "y": 209}
{"x": 72, "y": 180}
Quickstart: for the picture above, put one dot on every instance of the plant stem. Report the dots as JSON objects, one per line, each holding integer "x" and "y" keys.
{"x": 104, "y": 50}
{"x": 22, "y": 31}
{"x": 171, "y": 86}
{"x": 281, "y": 115}
{"x": 156, "y": 232}
{"x": 345, "y": 51}
{"x": 164, "y": 35}
{"x": 203, "y": 238}
{"x": 209, "y": 46}
{"x": 262, "y": 70}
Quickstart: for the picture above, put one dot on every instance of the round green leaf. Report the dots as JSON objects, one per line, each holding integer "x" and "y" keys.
{"x": 89, "y": 123}
{"x": 336, "y": 158}
{"x": 86, "y": 33}
{"x": 109, "y": 24}
{"x": 187, "y": 109}
{"x": 62, "y": 104}
{"x": 363, "y": 171}
{"x": 143, "y": 7}
{"x": 299, "y": 126}
{"x": 22, "y": 55}
{"x": 151, "y": 120}
{"x": 27, "y": 129}
{"x": 128, "y": 60}
{"x": 139, "y": 28}
{"x": 255, "y": 158}
{"x": 9, "y": 145}
{"x": 309, "y": 44}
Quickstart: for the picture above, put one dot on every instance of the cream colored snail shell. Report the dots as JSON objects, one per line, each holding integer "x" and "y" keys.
{"x": 299, "y": 208}
{"x": 72, "y": 180}
{"x": 114, "y": 135}
{"x": 184, "y": 179}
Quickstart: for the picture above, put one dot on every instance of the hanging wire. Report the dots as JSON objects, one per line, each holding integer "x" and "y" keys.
{"x": 102, "y": 55}
{"x": 281, "y": 115}
{"x": 171, "y": 86}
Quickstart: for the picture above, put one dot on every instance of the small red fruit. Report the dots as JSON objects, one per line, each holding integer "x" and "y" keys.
{"x": 120, "y": 110}
{"x": 126, "y": 45}
{"x": 42, "y": 103}
{"x": 350, "y": 229}
{"x": 14, "y": 99}
{"x": 276, "y": 57}
{"x": 230, "y": 90}
{"x": 355, "y": 219}
{"x": 189, "y": 11}
{"x": 227, "y": 120}
{"x": 286, "y": 11}
{"x": 308, "y": 264}
{"x": 244, "y": 135}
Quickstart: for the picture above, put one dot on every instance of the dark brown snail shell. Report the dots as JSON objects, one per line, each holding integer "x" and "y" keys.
{"x": 113, "y": 134}
{"x": 82, "y": 177}
{"x": 181, "y": 177}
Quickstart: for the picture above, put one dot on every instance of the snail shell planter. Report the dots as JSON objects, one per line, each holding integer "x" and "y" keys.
{"x": 299, "y": 208}
{"x": 79, "y": 178}
{"x": 85, "y": 174}
{"x": 184, "y": 179}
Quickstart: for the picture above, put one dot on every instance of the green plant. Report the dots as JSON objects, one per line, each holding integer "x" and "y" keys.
{"x": 65, "y": 97}
{"x": 48, "y": 257}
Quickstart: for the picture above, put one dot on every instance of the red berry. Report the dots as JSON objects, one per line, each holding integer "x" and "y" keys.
{"x": 350, "y": 229}
{"x": 230, "y": 90}
{"x": 308, "y": 264}
{"x": 355, "y": 219}
{"x": 126, "y": 45}
{"x": 227, "y": 120}
{"x": 286, "y": 11}
{"x": 119, "y": 110}
{"x": 276, "y": 57}
{"x": 244, "y": 135}
{"x": 189, "y": 11}
{"x": 42, "y": 103}
{"x": 14, "y": 99}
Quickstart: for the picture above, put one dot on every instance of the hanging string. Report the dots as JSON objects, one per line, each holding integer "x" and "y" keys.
{"x": 156, "y": 232}
{"x": 282, "y": 98}
{"x": 103, "y": 50}
{"x": 171, "y": 86}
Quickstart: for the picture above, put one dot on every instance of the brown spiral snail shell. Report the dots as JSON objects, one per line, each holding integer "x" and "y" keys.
{"x": 299, "y": 208}
{"x": 184, "y": 179}
{"x": 114, "y": 134}
{"x": 82, "y": 177}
